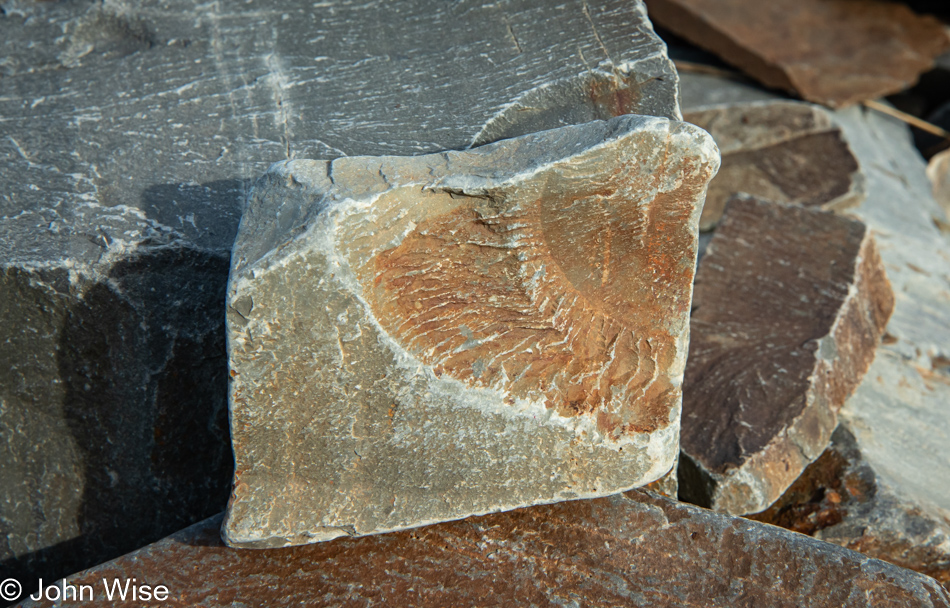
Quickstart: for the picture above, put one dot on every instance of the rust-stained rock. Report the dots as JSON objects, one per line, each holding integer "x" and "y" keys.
{"x": 834, "y": 52}
{"x": 419, "y": 339}
{"x": 789, "y": 304}
{"x": 782, "y": 151}
{"x": 633, "y": 550}
{"x": 838, "y": 499}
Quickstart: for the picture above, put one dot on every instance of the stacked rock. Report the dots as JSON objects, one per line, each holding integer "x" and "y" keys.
{"x": 473, "y": 317}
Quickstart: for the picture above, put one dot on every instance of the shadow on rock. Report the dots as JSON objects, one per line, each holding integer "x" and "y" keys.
{"x": 141, "y": 438}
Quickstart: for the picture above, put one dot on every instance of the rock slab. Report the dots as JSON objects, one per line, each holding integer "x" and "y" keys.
{"x": 130, "y": 133}
{"x": 788, "y": 309}
{"x": 897, "y": 417}
{"x": 628, "y": 550}
{"x": 833, "y": 52}
{"x": 784, "y": 152}
{"x": 419, "y": 339}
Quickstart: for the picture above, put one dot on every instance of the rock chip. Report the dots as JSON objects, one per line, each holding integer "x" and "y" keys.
{"x": 419, "y": 339}
{"x": 628, "y": 550}
{"x": 130, "y": 133}
{"x": 833, "y": 52}
{"x": 784, "y": 152}
{"x": 788, "y": 308}
{"x": 898, "y": 415}
{"x": 938, "y": 171}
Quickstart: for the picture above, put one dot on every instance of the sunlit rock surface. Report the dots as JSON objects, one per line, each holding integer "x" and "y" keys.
{"x": 418, "y": 339}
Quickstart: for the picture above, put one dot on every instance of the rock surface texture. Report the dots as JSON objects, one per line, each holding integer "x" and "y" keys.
{"x": 418, "y": 339}
{"x": 633, "y": 550}
{"x": 837, "y": 500}
{"x": 129, "y": 133}
{"x": 833, "y": 52}
{"x": 788, "y": 308}
{"x": 898, "y": 415}
{"x": 784, "y": 152}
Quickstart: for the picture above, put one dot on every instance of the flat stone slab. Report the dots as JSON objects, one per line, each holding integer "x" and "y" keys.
{"x": 130, "y": 134}
{"x": 781, "y": 151}
{"x": 633, "y": 550}
{"x": 788, "y": 308}
{"x": 419, "y": 339}
{"x": 897, "y": 416}
{"x": 868, "y": 48}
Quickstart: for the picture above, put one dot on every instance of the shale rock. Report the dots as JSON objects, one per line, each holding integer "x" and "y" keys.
{"x": 784, "y": 152}
{"x": 833, "y": 52}
{"x": 897, "y": 416}
{"x": 418, "y": 339}
{"x": 633, "y": 550}
{"x": 788, "y": 308}
{"x": 129, "y": 135}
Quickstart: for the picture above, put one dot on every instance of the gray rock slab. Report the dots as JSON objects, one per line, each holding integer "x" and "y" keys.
{"x": 898, "y": 414}
{"x": 129, "y": 135}
{"x": 420, "y": 339}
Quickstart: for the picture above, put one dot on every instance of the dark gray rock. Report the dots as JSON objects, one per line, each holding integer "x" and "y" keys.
{"x": 128, "y": 135}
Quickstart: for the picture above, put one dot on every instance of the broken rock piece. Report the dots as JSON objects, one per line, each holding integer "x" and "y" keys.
{"x": 938, "y": 171}
{"x": 839, "y": 499}
{"x": 784, "y": 152}
{"x": 897, "y": 416}
{"x": 833, "y": 52}
{"x": 636, "y": 549}
{"x": 788, "y": 308}
{"x": 419, "y": 339}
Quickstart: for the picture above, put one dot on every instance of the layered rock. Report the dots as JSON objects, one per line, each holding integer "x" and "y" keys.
{"x": 633, "y": 550}
{"x": 130, "y": 134}
{"x": 897, "y": 416}
{"x": 788, "y": 309}
{"x": 784, "y": 152}
{"x": 868, "y": 48}
{"x": 418, "y": 339}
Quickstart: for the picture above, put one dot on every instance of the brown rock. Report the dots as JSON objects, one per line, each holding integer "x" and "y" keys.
{"x": 419, "y": 339}
{"x": 634, "y": 550}
{"x": 784, "y": 152}
{"x": 789, "y": 304}
{"x": 838, "y": 499}
{"x": 834, "y": 52}
{"x": 898, "y": 414}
